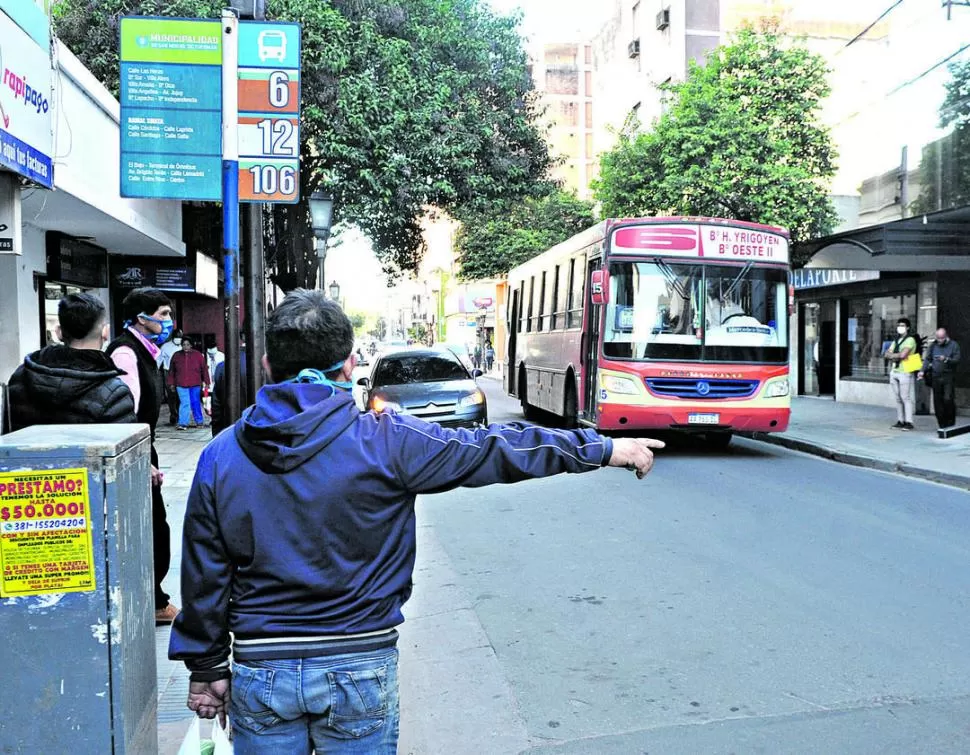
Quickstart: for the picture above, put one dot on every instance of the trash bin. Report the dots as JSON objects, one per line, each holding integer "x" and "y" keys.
{"x": 76, "y": 591}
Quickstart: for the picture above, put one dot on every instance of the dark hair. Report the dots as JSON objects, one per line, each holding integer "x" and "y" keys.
{"x": 904, "y": 321}
{"x": 79, "y": 316}
{"x": 306, "y": 331}
{"x": 144, "y": 301}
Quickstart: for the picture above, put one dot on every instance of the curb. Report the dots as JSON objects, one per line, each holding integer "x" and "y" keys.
{"x": 867, "y": 462}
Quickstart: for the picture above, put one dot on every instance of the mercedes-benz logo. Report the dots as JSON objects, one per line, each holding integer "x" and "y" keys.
{"x": 703, "y": 387}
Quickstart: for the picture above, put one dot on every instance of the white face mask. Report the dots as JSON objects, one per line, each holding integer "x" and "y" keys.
{"x": 213, "y": 351}
{"x": 901, "y": 330}
{"x": 177, "y": 341}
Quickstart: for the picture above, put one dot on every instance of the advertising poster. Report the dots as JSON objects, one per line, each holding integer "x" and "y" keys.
{"x": 45, "y": 533}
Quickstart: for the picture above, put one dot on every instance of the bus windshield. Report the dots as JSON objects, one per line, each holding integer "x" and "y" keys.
{"x": 661, "y": 310}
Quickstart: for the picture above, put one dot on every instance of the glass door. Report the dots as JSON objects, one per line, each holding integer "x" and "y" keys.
{"x": 809, "y": 317}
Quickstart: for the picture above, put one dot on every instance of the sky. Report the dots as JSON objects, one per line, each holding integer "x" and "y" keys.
{"x": 557, "y": 17}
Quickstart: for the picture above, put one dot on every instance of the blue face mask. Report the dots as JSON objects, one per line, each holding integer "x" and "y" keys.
{"x": 168, "y": 325}
{"x": 318, "y": 377}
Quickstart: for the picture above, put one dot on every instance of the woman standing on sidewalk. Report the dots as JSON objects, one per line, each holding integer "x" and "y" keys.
{"x": 902, "y": 379}
{"x": 189, "y": 372}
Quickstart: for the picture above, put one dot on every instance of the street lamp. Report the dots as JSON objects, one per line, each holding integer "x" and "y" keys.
{"x": 321, "y": 218}
{"x": 335, "y": 291}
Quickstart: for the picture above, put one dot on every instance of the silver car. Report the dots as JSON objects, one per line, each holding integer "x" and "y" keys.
{"x": 428, "y": 383}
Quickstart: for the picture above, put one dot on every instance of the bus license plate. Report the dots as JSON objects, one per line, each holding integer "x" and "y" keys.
{"x": 704, "y": 419}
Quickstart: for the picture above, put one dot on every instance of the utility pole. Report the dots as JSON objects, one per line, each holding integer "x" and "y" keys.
{"x": 255, "y": 282}
{"x": 230, "y": 206}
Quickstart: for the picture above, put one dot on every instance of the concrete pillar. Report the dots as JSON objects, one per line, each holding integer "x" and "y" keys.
{"x": 11, "y": 249}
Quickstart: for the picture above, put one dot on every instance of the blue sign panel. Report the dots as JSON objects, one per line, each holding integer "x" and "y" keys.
{"x": 171, "y": 109}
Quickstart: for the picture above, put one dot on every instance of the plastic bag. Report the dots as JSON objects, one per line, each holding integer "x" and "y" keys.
{"x": 193, "y": 744}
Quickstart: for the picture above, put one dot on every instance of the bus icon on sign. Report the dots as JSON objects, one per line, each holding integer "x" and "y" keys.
{"x": 272, "y": 45}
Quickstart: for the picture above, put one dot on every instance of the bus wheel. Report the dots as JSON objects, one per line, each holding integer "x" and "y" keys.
{"x": 528, "y": 410}
{"x": 719, "y": 441}
{"x": 569, "y": 408}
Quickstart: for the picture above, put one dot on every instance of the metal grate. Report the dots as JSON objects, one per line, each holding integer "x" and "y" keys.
{"x": 694, "y": 388}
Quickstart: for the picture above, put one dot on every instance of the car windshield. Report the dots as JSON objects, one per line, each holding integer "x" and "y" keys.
{"x": 721, "y": 313}
{"x": 419, "y": 368}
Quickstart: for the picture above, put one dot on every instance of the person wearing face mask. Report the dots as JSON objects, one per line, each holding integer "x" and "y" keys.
{"x": 169, "y": 348}
{"x": 73, "y": 382}
{"x": 902, "y": 379}
{"x": 148, "y": 325}
{"x": 214, "y": 357}
{"x": 940, "y": 372}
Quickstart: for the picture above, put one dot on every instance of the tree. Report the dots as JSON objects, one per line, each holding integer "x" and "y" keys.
{"x": 945, "y": 165}
{"x": 406, "y": 104}
{"x": 740, "y": 138}
{"x": 496, "y": 236}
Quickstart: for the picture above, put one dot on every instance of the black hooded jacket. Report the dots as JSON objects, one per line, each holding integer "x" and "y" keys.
{"x": 60, "y": 385}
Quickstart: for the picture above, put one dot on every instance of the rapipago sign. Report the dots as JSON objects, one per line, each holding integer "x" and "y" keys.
{"x": 26, "y": 113}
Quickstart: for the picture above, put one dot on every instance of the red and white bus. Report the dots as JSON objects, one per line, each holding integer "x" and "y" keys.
{"x": 656, "y": 323}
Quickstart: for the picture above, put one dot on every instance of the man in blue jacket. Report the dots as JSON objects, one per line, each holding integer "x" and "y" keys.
{"x": 299, "y": 539}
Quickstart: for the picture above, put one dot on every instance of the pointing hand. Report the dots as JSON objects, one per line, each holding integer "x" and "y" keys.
{"x": 635, "y": 454}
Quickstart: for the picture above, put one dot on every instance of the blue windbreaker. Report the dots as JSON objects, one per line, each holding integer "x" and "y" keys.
{"x": 300, "y": 521}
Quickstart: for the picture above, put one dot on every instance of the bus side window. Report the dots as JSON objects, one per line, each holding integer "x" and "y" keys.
{"x": 569, "y": 293}
{"x": 540, "y": 320}
{"x": 532, "y": 292}
{"x": 576, "y": 310}
{"x": 522, "y": 306}
{"x": 555, "y": 299}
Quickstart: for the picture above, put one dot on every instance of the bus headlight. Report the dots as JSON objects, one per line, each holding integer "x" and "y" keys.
{"x": 615, "y": 384}
{"x": 777, "y": 388}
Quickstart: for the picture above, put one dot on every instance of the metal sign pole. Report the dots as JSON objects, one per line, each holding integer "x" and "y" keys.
{"x": 230, "y": 207}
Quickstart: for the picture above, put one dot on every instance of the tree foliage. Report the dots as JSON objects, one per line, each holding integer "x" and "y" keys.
{"x": 496, "y": 236}
{"x": 945, "y": 165}
{"x": 406, "y": 104}
{"x": 740, "y": 138}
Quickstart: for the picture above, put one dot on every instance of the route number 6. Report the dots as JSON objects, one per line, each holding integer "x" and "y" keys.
{"x": 279, "y": 89}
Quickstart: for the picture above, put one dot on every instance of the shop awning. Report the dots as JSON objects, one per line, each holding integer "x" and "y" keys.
{"x": 935, "y": 241}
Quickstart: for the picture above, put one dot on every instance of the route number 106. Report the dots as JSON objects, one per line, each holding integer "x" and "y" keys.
{"x": 269, "y": 179}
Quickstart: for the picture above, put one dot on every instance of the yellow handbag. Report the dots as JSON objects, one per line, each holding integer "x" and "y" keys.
{"x": 912, "y": 363}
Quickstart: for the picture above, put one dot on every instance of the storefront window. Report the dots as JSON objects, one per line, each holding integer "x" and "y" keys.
{"x": 871, "y": 328}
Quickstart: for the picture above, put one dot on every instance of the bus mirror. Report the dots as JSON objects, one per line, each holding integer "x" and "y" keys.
{"x": 599, "y": 286}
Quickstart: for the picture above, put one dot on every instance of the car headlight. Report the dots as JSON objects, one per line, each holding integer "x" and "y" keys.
{"x": 476, "y": 399}
{"x": 619, "y": 385}
{"x": 777, "y": 388}
{"x": 379, "y": 405}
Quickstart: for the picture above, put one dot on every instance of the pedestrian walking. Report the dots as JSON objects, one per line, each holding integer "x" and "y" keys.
{"x": 220, "y": 418}
{"x": 148, "y": 325}
{"x": 299, "y": 541}
{"x": 189, "y": 374}
{"x": 477, "y": 356}
{"x": 905, "y": 356}
{"x": 214, "y": 357}
{"x": 939, "y": 373}
{"x": 169, "y": 348}
{"x": 489, "y": 357}
{"x": 73, "y": 383}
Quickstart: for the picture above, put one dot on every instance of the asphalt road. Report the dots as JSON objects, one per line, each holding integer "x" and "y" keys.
{"x": 746, "y": 601}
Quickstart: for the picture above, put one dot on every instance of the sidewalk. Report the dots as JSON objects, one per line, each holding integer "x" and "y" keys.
{"x": 178, "y": 452}
{"x": 862, "y": 436}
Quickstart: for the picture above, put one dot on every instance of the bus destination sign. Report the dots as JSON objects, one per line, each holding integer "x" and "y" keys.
{"x": 749, "y": 244}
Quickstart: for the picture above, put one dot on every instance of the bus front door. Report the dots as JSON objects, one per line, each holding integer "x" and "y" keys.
{"x": 590, "y": 346}
{"x": 511, "y": 362}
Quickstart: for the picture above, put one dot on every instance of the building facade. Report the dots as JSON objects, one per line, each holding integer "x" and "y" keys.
{"x": 61, "y": 227}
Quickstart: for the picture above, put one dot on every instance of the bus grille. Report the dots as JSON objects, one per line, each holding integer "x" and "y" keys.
{"x": 694, "y": 388}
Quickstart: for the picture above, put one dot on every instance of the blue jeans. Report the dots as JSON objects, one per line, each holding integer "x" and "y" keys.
{"x": 190, "y": 397}
{"x": 338, "y": 704}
